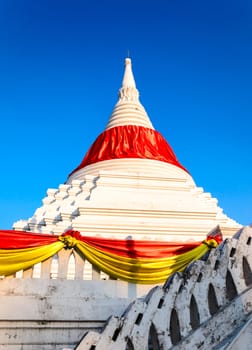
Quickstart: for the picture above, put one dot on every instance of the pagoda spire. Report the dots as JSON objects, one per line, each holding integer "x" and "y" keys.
{"x": 128, "y": 110}
{"x": 128, "y": 91}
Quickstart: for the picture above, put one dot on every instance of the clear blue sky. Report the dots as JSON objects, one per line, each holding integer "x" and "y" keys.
{"x": 61, "y": 65}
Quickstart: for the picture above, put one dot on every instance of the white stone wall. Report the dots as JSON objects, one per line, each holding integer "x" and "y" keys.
{"x": 43, "y": 314}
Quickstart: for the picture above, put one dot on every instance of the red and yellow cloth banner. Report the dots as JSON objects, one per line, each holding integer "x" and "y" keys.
{"x": 135, "y": 261}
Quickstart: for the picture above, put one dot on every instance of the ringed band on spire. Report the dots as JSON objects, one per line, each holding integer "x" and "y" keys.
{"x": 129, "y": 110}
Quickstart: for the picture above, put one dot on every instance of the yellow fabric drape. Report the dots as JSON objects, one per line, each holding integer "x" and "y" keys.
{"x": 15, "y": 260}
{"x": 144, "y": 271}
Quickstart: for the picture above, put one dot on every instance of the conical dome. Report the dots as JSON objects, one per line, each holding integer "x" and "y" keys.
{"x": 129, "y": 139}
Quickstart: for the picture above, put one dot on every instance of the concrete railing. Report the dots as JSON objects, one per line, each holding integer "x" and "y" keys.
{"x": 199, "y": 309}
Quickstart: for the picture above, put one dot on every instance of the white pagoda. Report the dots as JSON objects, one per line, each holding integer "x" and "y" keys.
{"x": 130, "y": 183}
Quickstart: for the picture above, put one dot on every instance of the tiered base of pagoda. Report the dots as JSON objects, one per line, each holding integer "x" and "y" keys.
{"x": 142, "y": 205}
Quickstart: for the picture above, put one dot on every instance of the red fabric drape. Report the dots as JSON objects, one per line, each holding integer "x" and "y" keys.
{"x": 127, "y": 248}
{"x": 123, "y": 247}
{"x": 19, "y": 239}
{"x": 129, "y": 141}
{"x": 140, "y": 249}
